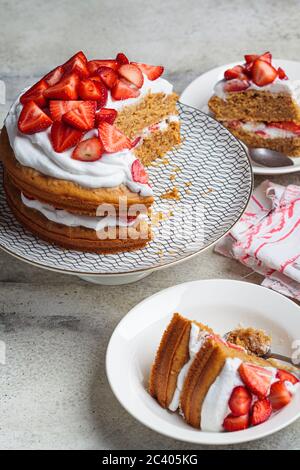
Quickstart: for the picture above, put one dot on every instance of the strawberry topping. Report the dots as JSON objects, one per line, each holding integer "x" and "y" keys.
{"x": 36, "y": 94}
{"x": 236, "y": 85}
{"x": 64, "y": 137}
{"x": 263, "y": 73}
{"x": 112, "y": 139}
{"x": 261, "y": 411}
{"x": 106, "y": 114}
{"x": 256, "y": 378}
{"x": 81, "y": 117}
{"x": 65, "y": 89}
{"x": 279, "y": 395}
{"x": 284, "y": 375}
{"x": 286, "y": 125}
{"x": 151, "y": 71}
{"x": 32, "y": 119}
{"x": 281, "y": 74}
{"x": 124, "y": 90}
{"x": 133, "y": 74}
{"x": 88, "y": 150}
{"x": 139, "y": 174}
{"x": 122, "y": 59}
{"x": 237, "y": 71}
{"x": 108, "y": 76}
{"x": 236, "y": 423}
{"x": 58, "y": 108}
{"x": 53, "y": 77}
{"x": 94, "y": 65}
{"x": 240, "y": 401}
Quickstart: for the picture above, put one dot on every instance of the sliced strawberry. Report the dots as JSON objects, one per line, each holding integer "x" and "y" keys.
{"x": 235, "y": 72}
{"x": 94, "y": 65}
{"x": 93, "y": 91}
{"x": 79, "y": 55}
{"x": 36, "y": 94}
{"x": 236, "y": 85}
{"x": 286, "y": 125}
{"x": 88, "y": 150}
{"x": 106, "y": 114}
{"x": 53, "y": 77}
{"x": 133, "y": 74}
{"x": 267, "y": 57}
{"x": 81, "y": 117}
{"x": 108, "y": 76}
{"x": 281, "y": 74}
{"x": 284, "y": 375}
{"x": 135, "y": 141}
{"x": 64, "y": 137}
{"x": 65, "y": 89}
{"x": 250, "y": 58}
{"x": 78, "y": 66}
{"x": 124, "y": 90}
{"x": 257, "y": 379}
{"x": 151, "y": 71}
{"x": 279, "y": 395}
{"x": 32, "y": 119}
{"x": 263, "y": 73}
{"x": 96, "y": 78}
{"x": 139, "y": 174}
{"x": 112, "y": 139}
{"x": 236, "y": 423}
{"x": 58, "y": 108}
{"x": 240, "y": 401}
{"x": 261, "y": 411}
{"x": 261, "y": 133}
{"x": 122, "y": 59}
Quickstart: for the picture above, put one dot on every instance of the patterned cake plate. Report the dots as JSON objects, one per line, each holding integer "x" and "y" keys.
{"x": 211, "y": 173}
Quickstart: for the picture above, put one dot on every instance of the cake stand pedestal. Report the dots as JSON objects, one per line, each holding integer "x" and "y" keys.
{"x": 115, "y": 280}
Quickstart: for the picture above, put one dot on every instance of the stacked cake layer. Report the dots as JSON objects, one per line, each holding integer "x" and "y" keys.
{"x": 74, "y": 146}
{"x": 215, "y": 384}
{"x": 260, "y": 105}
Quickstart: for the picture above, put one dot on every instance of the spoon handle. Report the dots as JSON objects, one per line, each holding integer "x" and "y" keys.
{"x": 280, "y": 357}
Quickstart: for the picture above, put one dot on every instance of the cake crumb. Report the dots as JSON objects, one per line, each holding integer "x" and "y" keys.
{"x": 256, "y": 342}
{"x": 172, "y": 194}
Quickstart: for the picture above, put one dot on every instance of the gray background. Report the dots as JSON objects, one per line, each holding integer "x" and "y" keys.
{"x": 54, "y": 392}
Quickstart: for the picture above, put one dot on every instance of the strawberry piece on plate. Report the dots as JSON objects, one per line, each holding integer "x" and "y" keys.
{"x": 250, "y": 58}
{"x": 256, "y": 378}
{"x": 65, "y": 89}
{"x": 112, "y": 139}
{"x": 133, "y": 74}
{"x": 235, "y": 72}
{"x": 281, "y": 74}
{"x": 78, "y": 66}
{"x": 236, "y": 423}
{"x": 124, "y": 90}
{"x": 279, "y": 395}
{"x": 286, "y": 125}
{"x": 32, "y": 119}
{"x": 64, "y": 137}
{"x": 88, "y": 150}
{"x": 36, "y": 94}
{"x": 236, "y": 85}
{"x": 284, "y": 375}
{"x": 53, "y": 77}
{"x": 59, "y": 107}
{"x": 108, "y": 76}
{"x": 263, "y": 73}
{"x": 106, "y": 114}
{"x": 79, "y": 55}
{"x": 261, "y": 411}
{"x": 81, "y": 117}
{"x": 151, "y": 71}
{"x": 94, "y": 65}
{"x": 91, "y": 90}
{"x": 139, "y": 174}
{"x": 267, "y": 57}
{"x": 122, "y": 59}
{"x": 240, "y": 401}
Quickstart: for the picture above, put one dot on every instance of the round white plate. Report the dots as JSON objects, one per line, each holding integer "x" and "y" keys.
{"x": 198, "y": 92}
{"x": 223, "y": 305}
{"x": 217, "y": 170}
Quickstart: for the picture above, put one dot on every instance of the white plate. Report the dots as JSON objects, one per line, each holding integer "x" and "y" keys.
{"x": 222, "y": 304}
{"x": 198, "y": 92}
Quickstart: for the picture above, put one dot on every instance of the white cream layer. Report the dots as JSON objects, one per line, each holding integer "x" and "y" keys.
{"x": 291, "y": 87}
{"x": 63, "y": 217}
{"x": 36, "y": 151}
{"x": 271, "y": 132}
{"x": 197, "y": 338}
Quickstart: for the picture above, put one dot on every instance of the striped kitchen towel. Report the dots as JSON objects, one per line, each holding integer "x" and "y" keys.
{"x": 267, "y": 237}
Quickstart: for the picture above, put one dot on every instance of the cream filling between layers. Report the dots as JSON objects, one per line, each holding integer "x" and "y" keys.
{"x": 112, "y": 170}
{"x": 270, "y": 132}
{"x": 60, "y": 216}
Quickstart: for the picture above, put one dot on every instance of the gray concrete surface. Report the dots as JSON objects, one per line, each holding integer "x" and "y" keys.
{"x": 54, "y": 392}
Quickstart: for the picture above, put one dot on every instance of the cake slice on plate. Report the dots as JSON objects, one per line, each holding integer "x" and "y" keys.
{"x": 259, "y": 104}
{"x": 216, "y": 385}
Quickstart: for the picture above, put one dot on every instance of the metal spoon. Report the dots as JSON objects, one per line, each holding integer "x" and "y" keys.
{"x": 270, "y": 158}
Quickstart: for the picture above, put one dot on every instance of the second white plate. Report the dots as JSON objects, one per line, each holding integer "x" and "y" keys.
{"x": 198, "y": 92}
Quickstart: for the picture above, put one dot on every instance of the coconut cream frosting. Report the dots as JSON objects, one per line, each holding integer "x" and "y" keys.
{"x": 36, "y": 151}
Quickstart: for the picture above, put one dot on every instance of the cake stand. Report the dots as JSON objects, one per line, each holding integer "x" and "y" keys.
{"x": 212, "y": 174}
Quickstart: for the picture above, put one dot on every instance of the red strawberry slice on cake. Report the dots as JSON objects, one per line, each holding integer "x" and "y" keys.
{"x": 94, "y": 65}
{"x": 284, "y": 375}
{"x": 236, "y": 423}
{"x": 108, "y": 76}
{"x": 240, "y": 401}
{"x": 286, "y": 125}
{"x": 132, "y": 73}
{"x": 81, "y": 117}
{"x": 65, "y": 89}
{"x": 36, "y": 94}
{"x": 78, "y": 66}
{"x": 32, "y": 119}
{"x": 279, "y": 395}
{"x": 263, "y": 72}
{"x": 257, "y": 379}
{"x": 59, "y": 107}
{"x": 53, "y": 77}
{"x": 237, "y": 71}
{"x": 89, "y": 150}
{"x": 152, "y": 72}
{"x": 261, "y": 411}
{"x": 106, "y": 114}
{"x": 139, "y": 174}
{"x": 236, "y": 85}
{"x": 92, "y": 90}
{"x": 64, "y": 137}
{"x": 122, "y": 59}
{"x": 124, "y": 90}
{"x": 112, "y": 139}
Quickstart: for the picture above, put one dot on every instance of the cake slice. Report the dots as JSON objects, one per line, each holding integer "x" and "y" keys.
{"x": 216, "y": 384}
